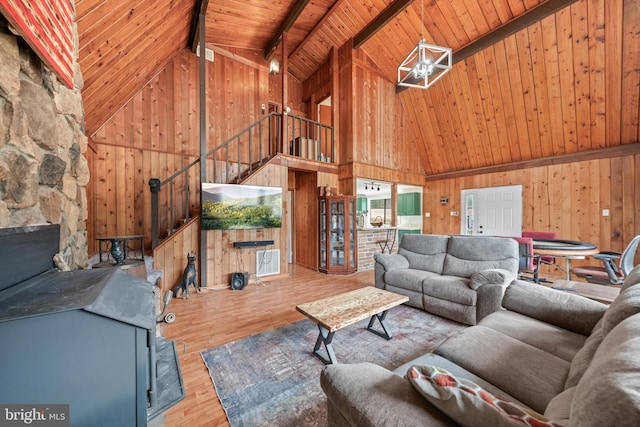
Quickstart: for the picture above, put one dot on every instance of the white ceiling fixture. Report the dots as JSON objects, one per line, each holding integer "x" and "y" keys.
{"x": 425, "y": 64}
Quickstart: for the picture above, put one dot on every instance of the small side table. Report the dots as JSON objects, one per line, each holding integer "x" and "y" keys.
{"x": 120, "y": 250}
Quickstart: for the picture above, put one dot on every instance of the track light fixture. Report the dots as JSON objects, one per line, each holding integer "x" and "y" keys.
{"x": 371, "y": 185}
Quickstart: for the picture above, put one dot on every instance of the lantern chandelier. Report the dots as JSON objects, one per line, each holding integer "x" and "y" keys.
{"x": 425, "y": 64}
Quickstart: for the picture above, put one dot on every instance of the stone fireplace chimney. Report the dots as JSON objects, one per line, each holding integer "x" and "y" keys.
{"x": 43, "y": 171}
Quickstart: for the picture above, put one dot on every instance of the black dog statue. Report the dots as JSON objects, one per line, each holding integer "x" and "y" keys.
{"x": 188, "y": 278}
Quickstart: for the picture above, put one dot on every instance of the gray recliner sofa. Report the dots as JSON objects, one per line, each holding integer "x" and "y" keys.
{"x": 461, "y": 278}
{"x": 572, "y": 360}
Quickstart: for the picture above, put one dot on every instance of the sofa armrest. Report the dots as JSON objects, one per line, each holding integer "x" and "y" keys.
{"x": 391, "y": 261}
{"x": 493, "y": 276}
{"x": 489, "y": 299}
{"x": 490, "y": 285}
{"x": 385, "y": 263}
{"x": 568, "y": 311}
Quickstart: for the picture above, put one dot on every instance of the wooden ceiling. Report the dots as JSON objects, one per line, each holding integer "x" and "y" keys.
{"x": 557, "y": 86}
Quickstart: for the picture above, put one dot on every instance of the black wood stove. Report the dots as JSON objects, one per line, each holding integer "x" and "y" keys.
{"x": 83, "y": 338}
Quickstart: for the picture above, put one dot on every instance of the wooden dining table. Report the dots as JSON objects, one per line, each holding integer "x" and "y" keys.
{"x": 567, "y": 249}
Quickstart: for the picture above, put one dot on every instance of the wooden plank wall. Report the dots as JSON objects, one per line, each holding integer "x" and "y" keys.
{"x": 382, "y": 135}
{"x": 156, "y": 133}
{"x": 170, "y": 256}
{"x": 123, "y": 44}
{"x": 566, "y": 84}
{"x": 565, "y": 198}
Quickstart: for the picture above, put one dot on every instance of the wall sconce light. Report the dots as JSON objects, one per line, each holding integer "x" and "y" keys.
{"x": 444, "y": 201}
{"x": 274, "y": 67}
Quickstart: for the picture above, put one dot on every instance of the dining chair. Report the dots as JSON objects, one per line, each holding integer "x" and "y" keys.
{"x": 389, "y": 242}
{"x": 544, "y": 259}
{"x": 527, "y": 260}
{"x": 610, "y": 273}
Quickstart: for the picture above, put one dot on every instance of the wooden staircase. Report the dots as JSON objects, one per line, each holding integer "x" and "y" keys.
{"x": 175, "y": 201}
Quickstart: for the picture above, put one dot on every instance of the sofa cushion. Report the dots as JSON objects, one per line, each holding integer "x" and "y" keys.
{"x": 424, "y": 251}
{"x": 425, "y": 244}
{"x": 450, "y": 288}
{"x": 507, "y": 363}
{"x": 545, "y": 336}
{"x": 559, "y": 409}
{"x": 415, "y": 298}
{"x": 468, "y": 403}
{"x": 469, "y": 254}
{"x": 625, "y": 305}
{"x": 408, "y": 278}
{"x": 583, "y": 357}
{"x": 569, "y": 311}
{"x": 368, "y": 395}
{"x": 450, "y": 310}
{"x": 609, "y": 391}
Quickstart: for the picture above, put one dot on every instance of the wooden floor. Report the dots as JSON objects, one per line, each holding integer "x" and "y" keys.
{"x": 212, "y": 318}
{"x": 215, "y": 317}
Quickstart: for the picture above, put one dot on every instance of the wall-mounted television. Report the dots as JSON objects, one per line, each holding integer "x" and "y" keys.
{"x": 236, "y": 206}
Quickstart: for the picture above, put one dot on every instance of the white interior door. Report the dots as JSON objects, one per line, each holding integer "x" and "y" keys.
{"x": 492, "y": 211}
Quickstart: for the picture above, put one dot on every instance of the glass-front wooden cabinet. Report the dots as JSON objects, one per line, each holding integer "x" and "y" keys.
{"x": 338, "y": 239}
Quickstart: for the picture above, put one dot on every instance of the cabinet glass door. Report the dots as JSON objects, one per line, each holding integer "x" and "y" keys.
{"x": 337, "y": 232}
{"x": 323, "y": 233}
{"x": 352, "y": 232}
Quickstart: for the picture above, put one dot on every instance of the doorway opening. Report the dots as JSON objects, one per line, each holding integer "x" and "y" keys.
{"x": 304, "y": 213}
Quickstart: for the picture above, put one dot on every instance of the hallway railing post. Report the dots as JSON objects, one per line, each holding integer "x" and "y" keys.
{"x": 154, "y": 184}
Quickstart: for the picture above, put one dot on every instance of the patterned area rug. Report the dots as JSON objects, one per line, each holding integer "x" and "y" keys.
{"x": 272, "y": 378}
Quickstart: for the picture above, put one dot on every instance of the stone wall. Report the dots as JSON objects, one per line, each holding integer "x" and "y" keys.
{"x": 368, "y": 246}
{"x": 43, "y": 171}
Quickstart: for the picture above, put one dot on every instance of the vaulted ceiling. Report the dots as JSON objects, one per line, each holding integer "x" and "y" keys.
{"x": 532, "y": 78}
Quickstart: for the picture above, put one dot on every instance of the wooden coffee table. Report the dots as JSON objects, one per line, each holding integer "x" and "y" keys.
{"x": 337, "y": 312}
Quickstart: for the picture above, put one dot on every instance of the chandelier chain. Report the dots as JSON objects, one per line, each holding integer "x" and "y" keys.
{"x": 422, "y": 22}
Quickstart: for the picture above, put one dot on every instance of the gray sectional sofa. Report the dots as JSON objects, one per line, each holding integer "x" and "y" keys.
{"x": 572, "y": 360}
{"x": 461, "y": 278}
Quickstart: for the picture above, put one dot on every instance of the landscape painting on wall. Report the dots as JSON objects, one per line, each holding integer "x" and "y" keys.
{"x": 234, "y": 206}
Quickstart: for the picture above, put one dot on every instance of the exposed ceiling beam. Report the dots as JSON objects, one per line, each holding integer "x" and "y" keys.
{"x": 602, "y": 153}
{"x": 380, "y": 21}
{"x": 315, "y": 29}
{"x": 521, "y": 22}
{"x": 200, "y": 8}
{"x": 288, "y": 22}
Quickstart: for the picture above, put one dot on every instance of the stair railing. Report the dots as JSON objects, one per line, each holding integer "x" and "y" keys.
{"x": 236, "y": 159}
{"x": 243, "y": 153}
{"x": 172, "y": 204}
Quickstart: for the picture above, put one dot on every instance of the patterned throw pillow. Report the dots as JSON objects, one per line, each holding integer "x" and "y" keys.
{"x": 469, "y": 404}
